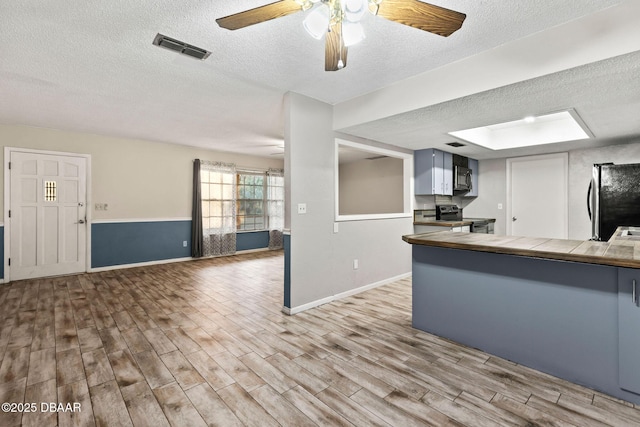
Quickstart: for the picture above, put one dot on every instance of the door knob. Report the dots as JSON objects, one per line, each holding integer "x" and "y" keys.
{"x": 80, "y": 221}
{"x": 514, "y": 218}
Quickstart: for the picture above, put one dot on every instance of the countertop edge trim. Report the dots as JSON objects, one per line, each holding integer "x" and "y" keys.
{"x": 613, "y": 262}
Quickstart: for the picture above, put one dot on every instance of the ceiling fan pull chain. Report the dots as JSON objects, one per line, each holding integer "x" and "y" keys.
{"x": 340, "y": 63}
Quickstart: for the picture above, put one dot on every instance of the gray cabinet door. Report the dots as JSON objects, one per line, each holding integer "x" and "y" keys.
{"x": 447, "y": 173}
{"x": 628, "y": 330}
{"x": 424, "y": 172}
{"x": 433, "y": 170}
{"x": 438, "y": 172}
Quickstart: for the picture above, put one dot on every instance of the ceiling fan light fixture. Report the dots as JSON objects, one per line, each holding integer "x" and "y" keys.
{"x": 317, "y": 21}
{"x": 306, "y": 4}
{"x": 352, "y": 33}
{"x": 326, "y": 18}
{"x": 354, "y": 10}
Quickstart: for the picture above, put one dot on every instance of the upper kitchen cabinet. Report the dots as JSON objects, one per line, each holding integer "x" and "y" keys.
{"x": 433, "y": 172}
{"x": 473, "y": 165}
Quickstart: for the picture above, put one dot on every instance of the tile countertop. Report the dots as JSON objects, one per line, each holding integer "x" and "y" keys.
{"x": 620, "y": 251}
{"x": 447, "y": 223}
{"x": 444, "y": 223}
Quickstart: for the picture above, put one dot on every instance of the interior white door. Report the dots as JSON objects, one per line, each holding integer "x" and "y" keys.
{"x": 538, "y": 196}
{"x": 47, "y": 215}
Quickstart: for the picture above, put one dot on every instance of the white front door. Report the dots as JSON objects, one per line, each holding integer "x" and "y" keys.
{"x": 538, "y": 196}
{"x": 47, "y": 228}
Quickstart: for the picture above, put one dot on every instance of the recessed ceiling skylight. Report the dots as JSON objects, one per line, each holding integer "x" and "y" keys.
{"x": 530, "y": 131}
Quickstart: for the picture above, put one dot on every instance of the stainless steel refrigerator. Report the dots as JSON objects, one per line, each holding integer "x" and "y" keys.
{"x": 613, "y": 198}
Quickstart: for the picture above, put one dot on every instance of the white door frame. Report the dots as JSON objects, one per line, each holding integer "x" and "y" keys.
{"x": 7, "y": 203}
{"x": 564, "y": 156}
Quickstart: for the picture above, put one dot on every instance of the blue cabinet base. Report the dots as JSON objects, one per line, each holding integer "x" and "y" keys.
{"x": 556, "y": 317}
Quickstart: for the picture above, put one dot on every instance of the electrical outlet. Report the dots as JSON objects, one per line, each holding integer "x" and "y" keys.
{"x": 302, "y": 208}
{"x": 184, "y": 243}
{"x": 355, "y": 264}
{"x": 499, "y": 205}
{"x": 335, "y": 227}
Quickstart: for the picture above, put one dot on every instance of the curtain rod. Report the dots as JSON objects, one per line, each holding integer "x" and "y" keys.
{"x": 243, "y": 169}
{"x": 247, "y": 169}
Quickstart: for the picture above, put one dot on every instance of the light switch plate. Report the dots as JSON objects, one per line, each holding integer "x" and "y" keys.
{"x": 302, "y": 208}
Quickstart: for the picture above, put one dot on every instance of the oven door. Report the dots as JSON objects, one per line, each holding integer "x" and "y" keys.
{"x": 461, "y": 179}
{"x": 482, "y": 227}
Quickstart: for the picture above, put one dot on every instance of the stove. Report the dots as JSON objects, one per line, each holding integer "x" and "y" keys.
{"x": 454, "y": 213}
{"x": 448, "y": 212}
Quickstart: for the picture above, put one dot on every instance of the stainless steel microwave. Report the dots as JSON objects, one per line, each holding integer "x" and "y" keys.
{"x": 461, "y": 179}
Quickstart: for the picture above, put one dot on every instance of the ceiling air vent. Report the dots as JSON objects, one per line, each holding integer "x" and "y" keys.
{"x": 455, "y": 144}
{"x": 181, "y": 47}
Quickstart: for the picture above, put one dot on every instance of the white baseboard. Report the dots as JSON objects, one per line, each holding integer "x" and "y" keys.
{"x": 249, "y": 251}
{"x": 316, "y": 303}
{"x": 139, "y": 264}
{"x": 165, "y": 261}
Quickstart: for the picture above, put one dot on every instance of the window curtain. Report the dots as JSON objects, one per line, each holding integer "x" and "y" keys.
{"x": 275, "y": 207}
{"x": 217, "y": 186}
{"x": 196, "y": 213}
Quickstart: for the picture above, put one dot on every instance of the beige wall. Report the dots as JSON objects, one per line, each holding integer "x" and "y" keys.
{"x": 371, "y": 186}
{"x": 137, "y": 179}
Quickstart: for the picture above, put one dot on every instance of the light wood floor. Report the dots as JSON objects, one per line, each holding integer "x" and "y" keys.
{"x": 204, "y": 343}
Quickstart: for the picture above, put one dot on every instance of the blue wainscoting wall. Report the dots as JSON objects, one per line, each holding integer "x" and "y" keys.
{"x": 120, "y": 243}
{"x": 252, "y": 240}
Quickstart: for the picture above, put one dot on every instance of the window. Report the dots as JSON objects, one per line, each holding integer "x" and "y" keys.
{"x": 275, "y": 199}
{"x": 363, "y": 170}
{"x": 251, "y": 212}
{"x": 217, "y": 200}
{"x": 237, "y": 200}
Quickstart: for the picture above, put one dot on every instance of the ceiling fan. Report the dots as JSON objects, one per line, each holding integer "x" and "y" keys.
{"x": 339, "y": 20}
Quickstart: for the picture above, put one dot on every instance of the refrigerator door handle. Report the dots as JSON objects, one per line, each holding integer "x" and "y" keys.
{"x": 589, "y": 198}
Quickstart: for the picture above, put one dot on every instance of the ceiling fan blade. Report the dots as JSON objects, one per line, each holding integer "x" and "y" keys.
{"x": 424, "y": 16}
{"x": 259, "y": 14}
{"x": 335, "y": 50}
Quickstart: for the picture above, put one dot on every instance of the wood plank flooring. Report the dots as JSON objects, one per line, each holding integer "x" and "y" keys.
{"x": 204, "y": 343}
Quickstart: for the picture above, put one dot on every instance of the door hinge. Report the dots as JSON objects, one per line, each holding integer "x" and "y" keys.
{"x": 9, "y": 165}
{"x": 9, "y": 213}
{"x": 9, "y": 261}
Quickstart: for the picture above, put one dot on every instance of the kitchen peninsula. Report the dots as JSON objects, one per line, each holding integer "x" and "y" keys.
{"x": 564, "y": 307}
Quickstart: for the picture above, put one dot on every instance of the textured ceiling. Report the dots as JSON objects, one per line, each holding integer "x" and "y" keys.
{"x": 605, "y": 94}
{"x": 90, "y": 66}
